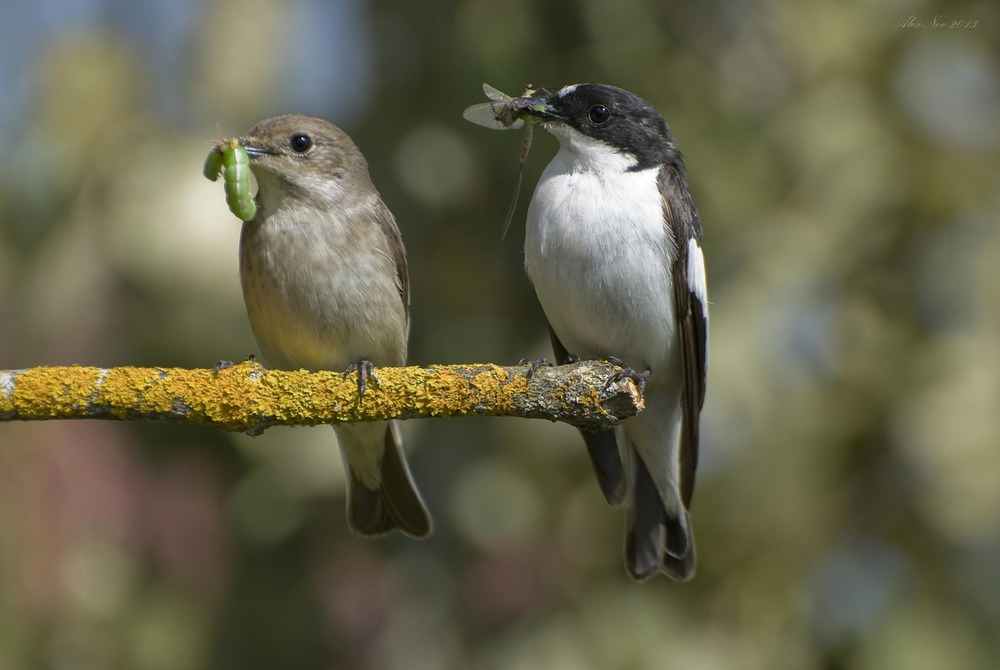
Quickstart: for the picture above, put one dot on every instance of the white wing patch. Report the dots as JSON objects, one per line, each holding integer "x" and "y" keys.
{"x": 696, "y": 281}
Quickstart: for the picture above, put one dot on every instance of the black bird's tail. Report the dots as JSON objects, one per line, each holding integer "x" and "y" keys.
{"x": 658, "y": 535}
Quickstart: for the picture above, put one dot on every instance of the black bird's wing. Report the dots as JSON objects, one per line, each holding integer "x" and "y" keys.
{"x": 602, "y": 446}
{"x": 659, "y": 539}
{"x": 691, "y": 308}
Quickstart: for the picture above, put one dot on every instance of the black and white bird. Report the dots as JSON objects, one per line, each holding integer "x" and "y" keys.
{"x": 613, "y": 249}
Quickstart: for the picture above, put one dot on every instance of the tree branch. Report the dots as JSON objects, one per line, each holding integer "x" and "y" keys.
{"x": 246, "y": 397}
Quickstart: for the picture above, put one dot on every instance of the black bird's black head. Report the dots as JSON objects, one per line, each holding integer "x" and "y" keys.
{"x": 608, "y": 114}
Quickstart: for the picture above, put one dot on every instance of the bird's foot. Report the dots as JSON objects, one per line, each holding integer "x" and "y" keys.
{"x": 533, "y": 365}
{"x": 225, "y": 365}
{"x": 366, "y": 370}
{"x": 639, "y": 378}
{"x": 570, "y": 358}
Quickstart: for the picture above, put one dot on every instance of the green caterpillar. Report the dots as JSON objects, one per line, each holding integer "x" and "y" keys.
{"x": 229, "y": 157}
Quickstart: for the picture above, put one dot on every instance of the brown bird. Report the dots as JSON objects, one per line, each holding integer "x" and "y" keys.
{"x": 325, "y": 284}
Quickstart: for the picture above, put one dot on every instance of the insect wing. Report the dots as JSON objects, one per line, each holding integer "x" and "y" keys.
{"x": 485, "y": 114}
{"x": 494, "y": 115}
{"x": 495, "y": 94}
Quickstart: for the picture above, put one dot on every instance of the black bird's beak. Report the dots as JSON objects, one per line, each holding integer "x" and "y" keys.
{"x": 529, "y": 106}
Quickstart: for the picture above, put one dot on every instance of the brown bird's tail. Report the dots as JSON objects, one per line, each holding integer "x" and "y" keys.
{"x": 381, "y": 493}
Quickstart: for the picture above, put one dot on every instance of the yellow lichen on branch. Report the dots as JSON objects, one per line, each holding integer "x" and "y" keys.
{"x": 246, "y": 397}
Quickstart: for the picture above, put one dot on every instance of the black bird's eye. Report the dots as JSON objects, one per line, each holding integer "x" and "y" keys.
{"x": 599, "y": 114}
{"x": 301, "y": 142}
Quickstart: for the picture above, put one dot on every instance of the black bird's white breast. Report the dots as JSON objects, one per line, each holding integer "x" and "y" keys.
{"x": 599, "y": 254}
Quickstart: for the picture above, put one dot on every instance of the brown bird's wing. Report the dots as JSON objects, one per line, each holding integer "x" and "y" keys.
{"x": 387, "y": 222}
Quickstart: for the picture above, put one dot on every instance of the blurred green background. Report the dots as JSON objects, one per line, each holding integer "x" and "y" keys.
{"x": 845, "y": 158}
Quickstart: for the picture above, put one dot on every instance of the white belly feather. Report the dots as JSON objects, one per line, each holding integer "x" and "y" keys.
{"x": 597, "y": 251}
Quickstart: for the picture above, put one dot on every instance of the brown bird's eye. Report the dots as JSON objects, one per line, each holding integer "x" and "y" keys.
{"x": 599, "y": 114}
{"x": 301, "y": 142}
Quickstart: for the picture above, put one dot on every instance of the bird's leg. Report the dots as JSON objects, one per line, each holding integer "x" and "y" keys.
{"x": 366, "y": 371}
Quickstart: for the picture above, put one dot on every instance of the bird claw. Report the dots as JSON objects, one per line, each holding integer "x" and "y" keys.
{"x": 637, "y": 377}
{"x": 225, "y": 365}
{"x": 366, "y": 370}
{"x": 533, "y": 365}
